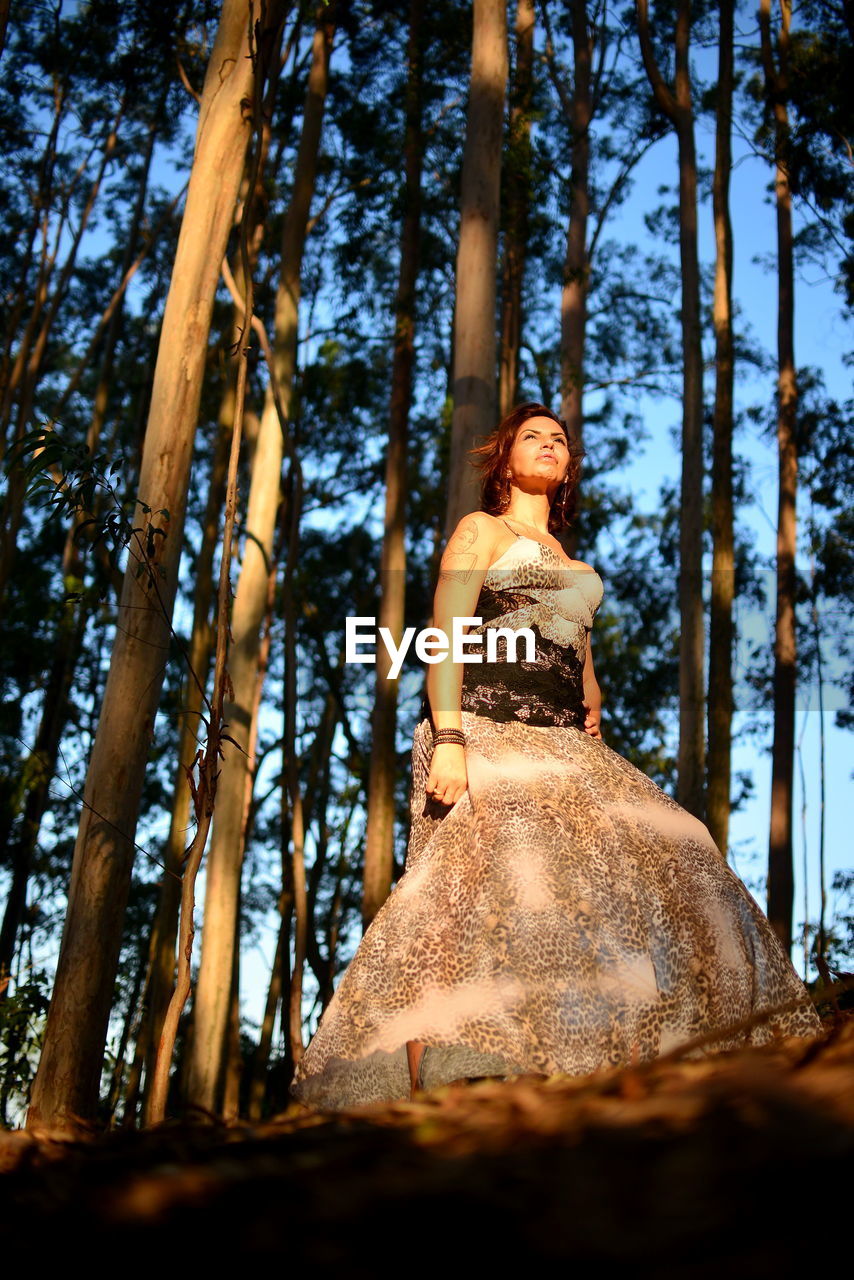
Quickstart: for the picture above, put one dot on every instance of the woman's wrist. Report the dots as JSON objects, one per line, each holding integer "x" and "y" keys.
{"x": 449, "y": 736}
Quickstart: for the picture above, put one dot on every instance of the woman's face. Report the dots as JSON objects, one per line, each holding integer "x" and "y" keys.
{"x": 539, "y": 458}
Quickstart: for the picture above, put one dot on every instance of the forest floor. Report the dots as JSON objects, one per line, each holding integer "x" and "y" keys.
{"x": 736, "y": 1164}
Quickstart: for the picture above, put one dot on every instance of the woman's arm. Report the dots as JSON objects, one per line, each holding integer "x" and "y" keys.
{"x": 464, "y": 563}
{"x": 592, "y": 694}
{"x": 463, "y": 567}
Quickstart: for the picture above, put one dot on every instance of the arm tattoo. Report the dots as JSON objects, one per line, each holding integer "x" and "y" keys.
{"x": 458, "y": 575}
{"x": 459, "y": 552}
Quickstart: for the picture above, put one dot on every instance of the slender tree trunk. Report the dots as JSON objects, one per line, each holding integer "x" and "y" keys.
{"x": 226, "y": 854}
{"x": 4, "y": 21}
{"x": 293, "y": 815}
{"x": 108, "y": 327}
{"x": 13, "y": 369}
{"x": 316, "y": 807}
{"x": 38, "y": 771}
{"x": 132, "y": 1092}
{"x": 333, "y": 927}
{"x": 723, "y": 560}
{"x": 67, "y": 1082}
{"x": 13, "y": 503}
{"x": 781, "y": 876}
{"x": 164, "y": 933}
{"x": 165, "y": 929}
{"x": 207, "y": 761}
{"x": 233, "y": 1061}
{"x": 127, "y": 1030}
{"x": 517, "y": 203}
{"x": 678, "y": 108}
{"x": 474, "y": 376}
{"x": 576, "y": 272}
{"x": 261, "y": 1060}
{"x": 41, "y": 765}
{"x": 379, "y": 841}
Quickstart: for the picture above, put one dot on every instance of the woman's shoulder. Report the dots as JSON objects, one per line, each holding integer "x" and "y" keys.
{"x": 477, "y": 525}
{"x": 482, "y": 519}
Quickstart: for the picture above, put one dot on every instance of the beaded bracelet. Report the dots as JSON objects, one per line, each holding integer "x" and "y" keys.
{"x": 449, "y": 735}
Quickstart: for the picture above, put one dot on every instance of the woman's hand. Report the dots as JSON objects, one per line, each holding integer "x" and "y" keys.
{"x": 447, "y": 780}
{"x": 592, "y": 696}
{"x": 591, "y": 722}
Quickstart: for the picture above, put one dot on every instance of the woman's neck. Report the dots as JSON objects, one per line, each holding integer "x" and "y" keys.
{"x": 531, "y": 509}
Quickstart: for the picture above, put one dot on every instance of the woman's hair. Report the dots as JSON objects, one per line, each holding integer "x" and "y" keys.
{"x": 492, "y": 456}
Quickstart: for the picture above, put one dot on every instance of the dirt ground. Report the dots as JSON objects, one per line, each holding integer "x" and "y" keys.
{"x": 738, "y": 1164}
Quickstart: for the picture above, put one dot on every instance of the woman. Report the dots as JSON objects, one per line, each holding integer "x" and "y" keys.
{"x": 558, "y": 911}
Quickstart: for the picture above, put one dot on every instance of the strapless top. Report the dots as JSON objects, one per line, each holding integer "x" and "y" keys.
{"x": 530, "y": 586}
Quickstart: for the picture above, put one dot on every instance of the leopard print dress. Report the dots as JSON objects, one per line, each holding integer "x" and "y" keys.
{"x": 566, "y": 914}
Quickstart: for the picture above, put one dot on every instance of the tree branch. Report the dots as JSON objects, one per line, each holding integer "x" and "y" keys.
{"x": 663, "y": 96}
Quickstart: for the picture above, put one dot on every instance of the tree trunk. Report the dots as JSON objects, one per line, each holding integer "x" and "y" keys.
{"x": 233, "y": 1059}
{"x": 13, "y": 369}
{"x": 678, "y": 108}
{"x": 165, "y": 931}
{"x": 720, "y": 707}
{"x": 474, "y": 376}
{"x": 781, "y": 877}
{"x": 131, "y": 1017}
{"x": 225, "y": 860}
{"x": 317, "y": 800}
{"x": 379, "y": 839}
{"x": 261, "y": 1060}
{"x": 38, "y": 771}
{"x": 40, "y": 768}
{"x": 13, "y": 502}
{"x": 293, "y": 817}
{"x": 576, "y": 272}
{"x": 67, "y": 1082}
{"x": 517, "y": 203}
{"x": 4, "y": 21}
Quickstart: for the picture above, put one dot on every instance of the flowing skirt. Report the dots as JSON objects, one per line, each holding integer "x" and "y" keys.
{"x": 564, "y": 915}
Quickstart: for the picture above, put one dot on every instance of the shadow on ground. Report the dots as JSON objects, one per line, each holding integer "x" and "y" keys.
{"x": 733, "y": 1165}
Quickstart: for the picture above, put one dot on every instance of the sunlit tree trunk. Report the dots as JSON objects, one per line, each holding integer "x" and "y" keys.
{"x": 723, "y": 562}
{"x": 165, "y": 929}
{"x": 781, "y": 878}
{"x": 474, "y": 376}
{"x": 576, "y": 271}
{"x": 164, "y": 932}
{"x": 379, "y": 840}
{"x": 517, "y": 203}
{"x": 677, "y": 106}
{"x": 67, "y": 1082}
{"x": 222, "y": 890}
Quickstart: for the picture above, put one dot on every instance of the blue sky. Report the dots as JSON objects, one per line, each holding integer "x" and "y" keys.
{"x": 822, "y": 339}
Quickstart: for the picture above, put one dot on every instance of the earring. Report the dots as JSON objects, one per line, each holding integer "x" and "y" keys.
{"x": 505, "y": 490}
{"x": 563, "y": 499}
